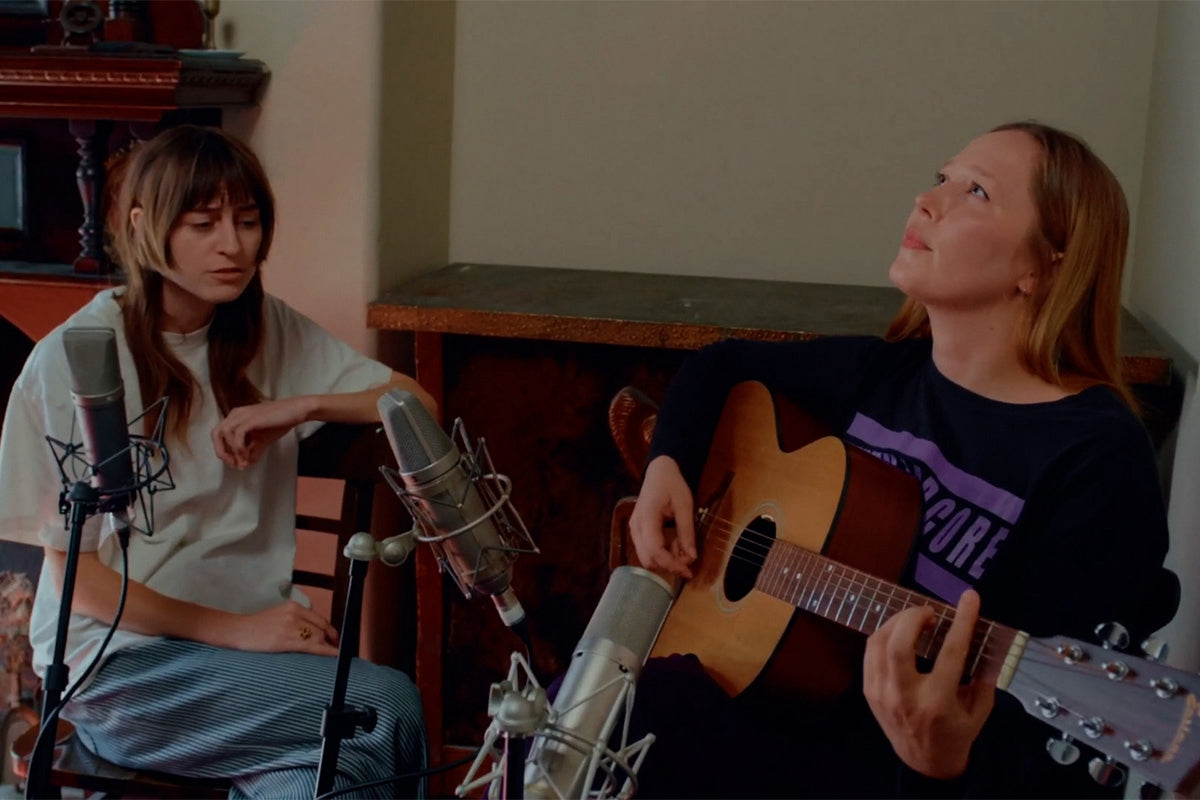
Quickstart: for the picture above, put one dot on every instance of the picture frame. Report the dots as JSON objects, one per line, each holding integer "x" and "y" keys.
{"x": 13, "y": 211}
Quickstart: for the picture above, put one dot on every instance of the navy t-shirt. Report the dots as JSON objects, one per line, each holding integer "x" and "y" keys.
{"x": 1052, "y": 511}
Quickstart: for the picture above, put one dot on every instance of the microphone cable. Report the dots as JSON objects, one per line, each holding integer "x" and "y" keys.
{"x": 521, "y": 629}
{"x": 50, "y": 722}
{"x": 424, "y": 773}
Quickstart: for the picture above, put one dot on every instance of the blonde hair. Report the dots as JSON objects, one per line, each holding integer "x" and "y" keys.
{"x": 1071, "y": 326}
{"x": 184, "y": 168}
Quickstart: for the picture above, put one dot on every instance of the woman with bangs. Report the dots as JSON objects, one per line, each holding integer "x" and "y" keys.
{"x": 219, "y": 667}
{"x": 998, "y": 386}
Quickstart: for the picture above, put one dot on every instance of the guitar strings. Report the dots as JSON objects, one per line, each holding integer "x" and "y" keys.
{"x": 759, "y": 545}
{"x": 1072, "y": 691}
{"x": 986, "y": 648}
{"x": 1043, "y": 661}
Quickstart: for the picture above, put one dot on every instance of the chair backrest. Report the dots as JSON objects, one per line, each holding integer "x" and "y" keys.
{"x": 631, "y": 418}
{"x": 350, "y": 454}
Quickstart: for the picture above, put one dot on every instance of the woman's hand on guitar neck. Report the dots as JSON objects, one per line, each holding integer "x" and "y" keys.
{"x": 664, "y": 496}
{"x": 930, "y": 719}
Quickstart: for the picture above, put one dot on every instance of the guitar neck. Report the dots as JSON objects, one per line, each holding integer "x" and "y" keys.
{"x": 863, "y": 602}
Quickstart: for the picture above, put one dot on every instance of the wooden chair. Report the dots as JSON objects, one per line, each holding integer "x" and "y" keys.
{"x": 349, "y": 453}
{"x": 631, "y": 418}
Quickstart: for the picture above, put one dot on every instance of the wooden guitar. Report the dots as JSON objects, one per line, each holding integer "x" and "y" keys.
{"x": 826, "y": 528}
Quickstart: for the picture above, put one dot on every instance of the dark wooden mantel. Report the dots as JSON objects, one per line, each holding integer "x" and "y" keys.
{"x": 142, "y": 87}
{"x": 77, "y": 84}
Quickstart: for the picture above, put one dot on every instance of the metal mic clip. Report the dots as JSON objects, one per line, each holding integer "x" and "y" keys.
{"x": 151, "y": 471}
{"x": 518, "y": 707}
{"x": 494, "y": 491}
{"x": 392, "y": 551}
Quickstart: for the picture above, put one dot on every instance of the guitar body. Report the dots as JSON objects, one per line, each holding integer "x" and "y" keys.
{"x": 767, "y": 474}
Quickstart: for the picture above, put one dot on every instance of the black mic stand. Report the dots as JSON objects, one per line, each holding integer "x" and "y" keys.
{"x": 519, "y": 708}
{"x": 80, "y": 502}
{"x": 83, "y": 501}
{"x": 341, "y": 721}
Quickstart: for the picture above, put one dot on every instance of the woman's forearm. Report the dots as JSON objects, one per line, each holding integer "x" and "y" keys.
{"x": 98, "y": 590}
{"x": 361, "y": 407}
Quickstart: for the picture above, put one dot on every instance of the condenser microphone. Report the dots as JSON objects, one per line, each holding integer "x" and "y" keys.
{"x": 440, "y": 489}
{"x": 595, "y": 692}
{"x": 99, "y": 395}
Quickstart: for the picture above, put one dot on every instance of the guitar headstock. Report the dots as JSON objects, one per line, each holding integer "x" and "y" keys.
{"x": 1136, "y": 711}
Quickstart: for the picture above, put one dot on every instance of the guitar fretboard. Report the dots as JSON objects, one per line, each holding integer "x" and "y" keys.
{"x": 863, "y": 602}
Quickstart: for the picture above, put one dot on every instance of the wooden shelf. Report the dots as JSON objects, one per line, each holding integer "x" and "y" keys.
{"x": 77, "y": 84}
{"x": 38, "y": 298}
{"x": 654, "y": 310}
{"x": 142, "y": 88}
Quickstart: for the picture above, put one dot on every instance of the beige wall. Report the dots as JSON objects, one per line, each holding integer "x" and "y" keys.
{"x": 1166, "y": 288}
{"x": 760, "y": 139}
{"x": 771, "y": 140}
{"x": 417, "y": 87}
{"x": 317, "y": 133}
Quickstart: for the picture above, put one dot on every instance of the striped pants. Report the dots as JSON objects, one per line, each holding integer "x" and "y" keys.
{"x": 191, "y": 709}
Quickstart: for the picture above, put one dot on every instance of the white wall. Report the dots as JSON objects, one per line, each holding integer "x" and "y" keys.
{"x": 756, "y": 139}
{"x": 760, "y": 139}
{"x": 1166, "y": 288}
{"x": 317, "y": 134}
{"x": 1166, "y": 285}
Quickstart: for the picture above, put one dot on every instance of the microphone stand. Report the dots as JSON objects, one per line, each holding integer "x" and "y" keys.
{"x": 518, "y": 709}
{"x": 84, "y": 501}
{"x": 341, "y": 721}
{"x": 80, "y": 502}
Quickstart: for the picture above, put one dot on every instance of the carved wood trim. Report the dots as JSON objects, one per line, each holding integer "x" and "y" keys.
{"x": 120, "y": 88}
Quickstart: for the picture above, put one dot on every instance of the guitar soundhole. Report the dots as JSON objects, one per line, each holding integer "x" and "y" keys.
{"x": 746, "y": 560}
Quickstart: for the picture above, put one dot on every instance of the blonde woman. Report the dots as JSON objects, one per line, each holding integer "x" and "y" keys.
{"x": 998, "y": 386}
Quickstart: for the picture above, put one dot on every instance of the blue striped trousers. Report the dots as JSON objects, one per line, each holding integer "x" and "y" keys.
{"x": 191, "y": 709}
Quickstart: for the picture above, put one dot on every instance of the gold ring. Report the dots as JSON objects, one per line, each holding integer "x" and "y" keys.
{"x": 305, "y": 633}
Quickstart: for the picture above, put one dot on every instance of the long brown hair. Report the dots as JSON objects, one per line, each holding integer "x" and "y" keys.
{"x": 1071, "y": 327}
{"x": 184, "y": 168}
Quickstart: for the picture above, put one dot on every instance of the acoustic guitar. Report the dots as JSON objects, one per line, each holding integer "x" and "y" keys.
{"x": 826, "y": 528}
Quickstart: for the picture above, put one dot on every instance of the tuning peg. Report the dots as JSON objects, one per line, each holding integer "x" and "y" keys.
{"x": 1106, "y": 772}
{"x": 1155, "y": 649}
{"x": 1071, "y": 652}
{"x": 1093, "y": 727}
{"x": 1149, "y": 791}
{"x": 1062, "y": 750}
{"x": 1140, "y": 750}
{"x": 1166, "y": 688}
{"x": 1047, "y": 706}
{"x": 1112, "y": 635}
{"x": 1116, "y": 670}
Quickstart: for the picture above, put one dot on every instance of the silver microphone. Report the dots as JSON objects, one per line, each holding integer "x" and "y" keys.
{"x": 99, "y": 395}
{"x": 454, "y": 503}
{"x": 596, "y": 692}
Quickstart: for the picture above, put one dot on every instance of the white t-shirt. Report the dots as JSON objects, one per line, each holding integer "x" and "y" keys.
{"x": 222, "y": 538}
